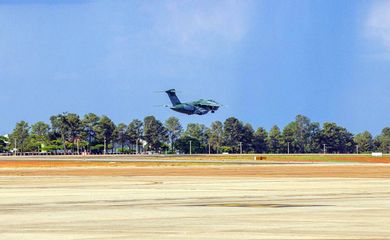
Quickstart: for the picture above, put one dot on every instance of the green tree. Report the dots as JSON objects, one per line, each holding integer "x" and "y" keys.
{"x": 260, "y": 140}
{"x": 216, "y": 135}
{"x": 105, "y": 131}
{"x": 174, "y": 130}
{"x": 120, "y": 135}
{"x": 68, "y": 126}
{"x": 20, "y": 136}
{"x": 39, "y": 135}
{"x": 59, "y": 126}
{"x": 384, "y": 140}
{"x": 197, "y": 131}
{"x": 301, "y": 136}
{"x": 274, "y": 140}
{"x": 289, "y": 141}
{"x": 154, "y": 133}
{"x": 3, "y": 143}
{"x": 248, "y": 138}
{"x": 135, "y": 132}
{"x": 183, "y": 145}
{"x": 233, "y": 133}
{"x": 337, "y": 139}
{"x": 364, "y": 141}
{"x": 89, "y": 125}
{"x": 377, "y": 143}
{"x": 41, "y": 130}
{"x": 74, "y": 126}
{"x": 314, "y": 143}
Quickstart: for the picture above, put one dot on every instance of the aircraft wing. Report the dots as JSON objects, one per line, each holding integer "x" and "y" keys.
{"x": 206, "y": 104}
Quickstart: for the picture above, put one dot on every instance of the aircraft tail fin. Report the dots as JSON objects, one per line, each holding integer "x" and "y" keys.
{"x": 172, "y": 96}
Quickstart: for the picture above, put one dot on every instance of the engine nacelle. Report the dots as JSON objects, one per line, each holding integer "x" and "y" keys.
{"x": 201, "y": 111}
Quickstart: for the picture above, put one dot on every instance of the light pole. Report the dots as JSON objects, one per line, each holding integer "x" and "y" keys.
{"x": 324, "y": 148}
{"x": 240, "y": 147}
{"x": 288, "y": 147}
{"x": 15, "y": 147}
{"x": 209, "y": 149}
{"x": 357, "y": 149}
{"x": 78, "y": 146}
{"x": 105, "y": 148}
{"x": 190, "y": 147}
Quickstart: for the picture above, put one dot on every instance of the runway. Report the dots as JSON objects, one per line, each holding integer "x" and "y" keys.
{"x": 138, "y": 199}
{"x": 181, "y": 207}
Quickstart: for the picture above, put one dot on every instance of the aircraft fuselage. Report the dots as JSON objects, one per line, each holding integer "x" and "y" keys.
{"x": 200, "y": 107}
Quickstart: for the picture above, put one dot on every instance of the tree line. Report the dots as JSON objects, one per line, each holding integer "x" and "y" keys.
{"x": 69, "y": 133}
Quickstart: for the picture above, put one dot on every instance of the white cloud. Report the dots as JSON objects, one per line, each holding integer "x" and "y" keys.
{"x": 200, "y": 26}
{"x": 378, "y": 24}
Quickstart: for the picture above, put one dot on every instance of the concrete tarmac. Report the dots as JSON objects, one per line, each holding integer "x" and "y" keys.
{"x": 190, "y": 207}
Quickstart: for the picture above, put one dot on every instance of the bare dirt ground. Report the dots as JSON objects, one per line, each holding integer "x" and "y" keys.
{"x": 183, "y": 200}
{"x": 309, "y": 171}
{"x": 346, "y": 166}
{"x": 362, "y": 158}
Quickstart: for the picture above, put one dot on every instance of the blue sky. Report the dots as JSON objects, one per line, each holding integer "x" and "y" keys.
{"x": 267, "y": 61}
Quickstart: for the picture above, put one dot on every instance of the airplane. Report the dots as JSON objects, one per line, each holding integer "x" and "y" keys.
{"x": 199, "y": 107}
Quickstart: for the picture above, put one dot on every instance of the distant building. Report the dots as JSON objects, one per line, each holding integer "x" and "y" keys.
{"x": 130, "y": 148}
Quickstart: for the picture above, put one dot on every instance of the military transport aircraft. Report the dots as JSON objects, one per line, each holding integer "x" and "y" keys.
{"x": 199, "y": 107}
